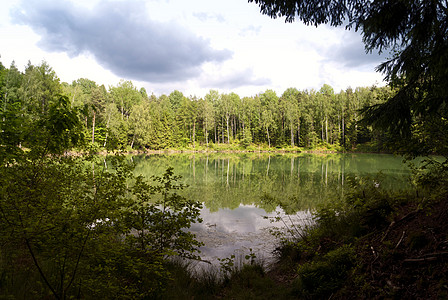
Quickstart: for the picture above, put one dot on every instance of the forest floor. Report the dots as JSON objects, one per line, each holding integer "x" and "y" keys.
{"x": 409, "y": 259}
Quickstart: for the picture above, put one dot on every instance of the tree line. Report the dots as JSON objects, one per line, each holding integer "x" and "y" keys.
{"x": 123, "y": 116}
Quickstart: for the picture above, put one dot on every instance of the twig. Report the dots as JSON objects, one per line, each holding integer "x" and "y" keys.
{"x": 371, "y": 264}
{"x": 420, "y": 259}
{"x": 387, "y": 231}
{"x": 401, "y": 239}
{"x": 294, "y": 226}
{"x": 435, "y": 254}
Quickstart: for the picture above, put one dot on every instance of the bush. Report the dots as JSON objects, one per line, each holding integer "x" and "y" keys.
{"x": 71, "y": 228}
{"x": 319, "y": 278}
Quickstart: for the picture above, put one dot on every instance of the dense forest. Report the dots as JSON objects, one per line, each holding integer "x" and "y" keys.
{"x": 125, "y": 117}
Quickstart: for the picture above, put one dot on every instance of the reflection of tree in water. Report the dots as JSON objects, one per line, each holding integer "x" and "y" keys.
{"x": 292, "y": 181}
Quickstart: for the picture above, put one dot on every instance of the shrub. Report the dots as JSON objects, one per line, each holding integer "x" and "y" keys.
{"x": 319, "y": 278}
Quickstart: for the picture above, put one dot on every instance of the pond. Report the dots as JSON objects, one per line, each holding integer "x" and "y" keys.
{"x": 239, "y": 191}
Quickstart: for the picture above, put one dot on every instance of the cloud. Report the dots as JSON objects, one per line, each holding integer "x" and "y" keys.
{"x": 204, "y": 17}
{"x": 350, "y": 53}
{"x": 251, "y": 29}
{"x": 237, "y": 79}
{"x": 121, "y": 37}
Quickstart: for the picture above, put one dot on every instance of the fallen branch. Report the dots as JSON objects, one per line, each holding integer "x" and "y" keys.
{"x": 420, "y": 259}
{"x": 436, "y": 254}
{"x": 426, "y": 257}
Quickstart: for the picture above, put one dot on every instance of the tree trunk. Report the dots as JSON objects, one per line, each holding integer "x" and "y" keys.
{"x": 339, "y": 126}
{"x": 107, "y": 131}
{"x": 205, "y": 131}
{"x": 235, "y": 129}
{"x": 105, "y": 140}
{"x": 216, "y": 136}
{"x": 93, "y": 127}
{"x": 269, "y": 141}
{"x": 292, "y": 135}
{"x": 194, "y": 134}
{"x": 322, "y": 131}
{"x": 222, "y": 132}
{"x": 228, "y": 133}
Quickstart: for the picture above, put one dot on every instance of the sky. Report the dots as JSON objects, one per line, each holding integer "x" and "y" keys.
{"x": 192, "y": 46}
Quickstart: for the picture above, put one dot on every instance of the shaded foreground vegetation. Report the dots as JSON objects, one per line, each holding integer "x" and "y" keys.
{"x": 70, "y": 228}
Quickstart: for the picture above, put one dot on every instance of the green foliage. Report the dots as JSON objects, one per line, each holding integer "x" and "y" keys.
{"x": 231, "y": 267}
{"x": 79, "y": 227}
{"x": 321, "y": 277}
{"x": 247, "y": 138}
{"x": 432, "y": 177}
{"x": 365, "y": 207}
{"x": 159, "y": 223}
{"x": 227, "y": 265}
{"x": 59, "y": 130}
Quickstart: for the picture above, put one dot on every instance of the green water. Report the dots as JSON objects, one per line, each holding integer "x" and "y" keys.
{"x": 238, "y": 190}
{"x": 295, "y": 182}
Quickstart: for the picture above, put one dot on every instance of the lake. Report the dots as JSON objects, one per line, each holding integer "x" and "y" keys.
{"x": 239, "y": 190}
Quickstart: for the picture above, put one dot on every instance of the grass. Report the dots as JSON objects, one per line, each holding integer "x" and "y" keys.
{"x": 236, "y": 278}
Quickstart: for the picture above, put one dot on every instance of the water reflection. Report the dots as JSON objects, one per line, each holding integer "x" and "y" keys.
{"x": 243, "y": 229}
{"x": 238, "y": 189}
{"x": 295, "y": 182}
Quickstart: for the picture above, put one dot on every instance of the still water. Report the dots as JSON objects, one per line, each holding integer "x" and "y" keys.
{"x": 239, "y": 190}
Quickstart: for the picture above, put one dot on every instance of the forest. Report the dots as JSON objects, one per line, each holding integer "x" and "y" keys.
{"x": 126, "y": 117}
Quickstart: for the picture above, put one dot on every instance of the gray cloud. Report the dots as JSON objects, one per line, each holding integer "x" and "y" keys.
{"x": 121, "y": 38}
{"x": 237, "y": 79}
{"x": 350, "y": 53}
